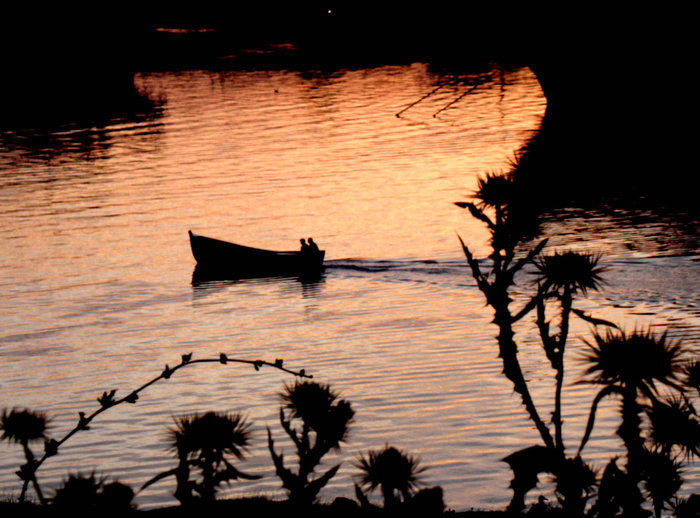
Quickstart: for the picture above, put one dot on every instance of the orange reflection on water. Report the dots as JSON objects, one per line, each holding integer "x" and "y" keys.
{"x": 97, "y": 270}
{"x": 267, "y": 158}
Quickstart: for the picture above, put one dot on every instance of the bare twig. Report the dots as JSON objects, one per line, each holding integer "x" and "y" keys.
{"x": 107, "y": 399}
{"x": 438, "y": 87}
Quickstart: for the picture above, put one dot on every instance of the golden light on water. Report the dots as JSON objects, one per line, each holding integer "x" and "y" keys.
{"x": 97, "y": 270}
{"x": 317, "y": 173}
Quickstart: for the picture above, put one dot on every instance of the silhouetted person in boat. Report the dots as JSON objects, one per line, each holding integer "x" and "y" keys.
{"x": 304, "y": 247}
{"x": 313, "y": 247}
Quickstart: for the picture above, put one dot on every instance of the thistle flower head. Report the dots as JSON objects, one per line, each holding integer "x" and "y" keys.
{"x": 675, "y": 423}
{"x": 495, "y": 190}
{"x": 638, "y": 359}
{"x": 211, "y": 433}
{"x": 575, "y": 271}
{"x": 308, "y": 400}
{"x": 391, "y": 469}
{"x": 662, "y": 477}
{"x": 23, "y": 426}
{"x": 320, "y": 408}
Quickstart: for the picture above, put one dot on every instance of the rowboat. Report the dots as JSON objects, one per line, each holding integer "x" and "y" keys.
{"x": 229, "y": 260}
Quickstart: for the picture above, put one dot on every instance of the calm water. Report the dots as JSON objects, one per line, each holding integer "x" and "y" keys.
{"x": 96, "y": 272}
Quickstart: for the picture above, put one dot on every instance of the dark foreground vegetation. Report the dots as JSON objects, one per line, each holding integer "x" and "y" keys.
{"x": 655, "y": 379}
{"x": 256, "y": 507}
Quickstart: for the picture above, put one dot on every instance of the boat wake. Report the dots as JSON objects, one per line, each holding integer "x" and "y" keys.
{"x": 417, "y": 270}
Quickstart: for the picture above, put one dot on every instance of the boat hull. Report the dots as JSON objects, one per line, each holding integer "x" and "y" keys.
{"x": 222, "y": 259}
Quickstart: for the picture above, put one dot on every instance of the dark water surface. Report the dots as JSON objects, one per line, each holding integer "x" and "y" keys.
{"x": 96, "y": 271}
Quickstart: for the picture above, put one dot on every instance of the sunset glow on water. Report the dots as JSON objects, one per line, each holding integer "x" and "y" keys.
{"x": 97, "y": 270}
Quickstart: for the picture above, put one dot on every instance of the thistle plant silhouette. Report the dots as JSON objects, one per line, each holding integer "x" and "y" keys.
{"x": 493, "y": 194}
{"x": 317, "y": 422}
{"x": 79, "y": 493}
{"x": 395, "y": 472}
{"x": 25, "y": 426}
{"x": 659, "y": 430}
{"x": 627, "y": 365}
{"x": 560, "y": 276}
{"x": 202, "y": 443}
